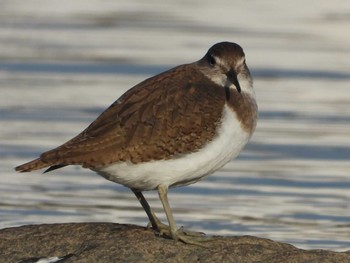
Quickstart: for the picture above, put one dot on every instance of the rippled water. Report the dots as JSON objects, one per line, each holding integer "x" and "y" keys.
{"x": 63, "y": 66}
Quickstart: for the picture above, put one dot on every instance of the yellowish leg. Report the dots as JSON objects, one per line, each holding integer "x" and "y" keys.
{"x": 175, "y": 233}
{"x": 154, "y": 221}
{"x": 170, "y": 231}
{"x": 163, "y": 196}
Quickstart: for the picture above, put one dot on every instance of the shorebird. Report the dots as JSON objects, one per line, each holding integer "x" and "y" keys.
{"x": 170, "y": 130}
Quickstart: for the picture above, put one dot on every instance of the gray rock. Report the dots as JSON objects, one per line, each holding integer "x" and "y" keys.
{"x": 107, "y": 242}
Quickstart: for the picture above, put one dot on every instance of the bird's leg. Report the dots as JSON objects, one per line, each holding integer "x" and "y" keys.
{"x": 154, "y": 221}
{"x": 175, "y": 233}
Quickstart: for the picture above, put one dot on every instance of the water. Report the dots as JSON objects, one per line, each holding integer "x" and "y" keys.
{"x": 63, "y": 65}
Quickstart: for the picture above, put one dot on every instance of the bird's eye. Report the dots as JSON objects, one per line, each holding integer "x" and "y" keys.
{"x": 212, "y": 60}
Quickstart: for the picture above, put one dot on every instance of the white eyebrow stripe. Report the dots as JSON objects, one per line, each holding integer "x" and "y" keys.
{"x": 220, "y": 61}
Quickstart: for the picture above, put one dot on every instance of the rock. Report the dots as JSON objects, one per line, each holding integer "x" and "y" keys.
{"x": 108, "y": 242}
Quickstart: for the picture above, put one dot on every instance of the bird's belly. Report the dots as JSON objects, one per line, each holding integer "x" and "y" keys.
{"x": 186, "y": 169}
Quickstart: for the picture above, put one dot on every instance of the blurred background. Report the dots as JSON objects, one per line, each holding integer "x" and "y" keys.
{"x": 63, "y": 62}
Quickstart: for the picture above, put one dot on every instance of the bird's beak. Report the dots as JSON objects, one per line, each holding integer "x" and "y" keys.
{"x": 232, "y": 77}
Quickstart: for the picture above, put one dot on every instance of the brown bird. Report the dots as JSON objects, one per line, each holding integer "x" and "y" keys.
{"x": 169, "y": 130}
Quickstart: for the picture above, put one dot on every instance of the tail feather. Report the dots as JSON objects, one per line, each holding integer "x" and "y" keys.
{"x": 32, "y": 165}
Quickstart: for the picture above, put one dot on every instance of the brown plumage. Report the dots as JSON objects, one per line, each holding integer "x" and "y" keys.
{"x": 170, "y": 130}
{"x": 173, "y": 113}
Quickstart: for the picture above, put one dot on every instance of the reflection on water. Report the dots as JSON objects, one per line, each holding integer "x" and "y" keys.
{"x": 290, "y": 184}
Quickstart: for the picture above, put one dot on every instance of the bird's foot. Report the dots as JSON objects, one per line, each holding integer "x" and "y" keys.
{"x": 191, "y": 233}
{"x": 191, "y": 237}
{"x": 185, "y": 236}
{"x": 160, "y": 228}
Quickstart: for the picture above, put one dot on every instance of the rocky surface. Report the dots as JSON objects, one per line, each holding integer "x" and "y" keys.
{"x": 108, "y": 242}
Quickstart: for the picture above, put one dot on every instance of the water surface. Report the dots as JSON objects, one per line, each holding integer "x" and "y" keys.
{"x": 61, "y": 68}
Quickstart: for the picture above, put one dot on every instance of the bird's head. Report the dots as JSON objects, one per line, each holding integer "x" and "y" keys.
{"x": 225, "y": 64}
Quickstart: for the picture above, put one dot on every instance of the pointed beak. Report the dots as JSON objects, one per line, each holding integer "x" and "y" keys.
{"x": 232, "y": 77}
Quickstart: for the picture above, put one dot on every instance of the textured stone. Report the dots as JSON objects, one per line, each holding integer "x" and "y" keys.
{"x": 108, "y": 242}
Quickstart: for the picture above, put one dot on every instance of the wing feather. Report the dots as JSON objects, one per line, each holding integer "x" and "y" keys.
{"x": 167, "y": 115}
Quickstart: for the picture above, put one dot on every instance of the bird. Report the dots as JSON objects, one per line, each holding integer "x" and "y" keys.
{"x": 170, "y": 130}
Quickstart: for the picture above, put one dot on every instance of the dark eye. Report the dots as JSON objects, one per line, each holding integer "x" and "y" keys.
{"x": 212, "y": 61}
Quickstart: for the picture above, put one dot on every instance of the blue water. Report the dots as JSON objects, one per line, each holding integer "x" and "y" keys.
{"x": 290, "y": 184}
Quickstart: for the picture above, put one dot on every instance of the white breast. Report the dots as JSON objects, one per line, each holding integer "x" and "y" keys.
{"x": 186, "y": 169}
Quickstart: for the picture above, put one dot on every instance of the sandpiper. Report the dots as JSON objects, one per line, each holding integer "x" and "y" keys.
{"x": 170, "y": 130}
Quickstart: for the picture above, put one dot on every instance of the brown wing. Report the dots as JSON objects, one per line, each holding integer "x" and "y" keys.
{"x": 170, "y": 114}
